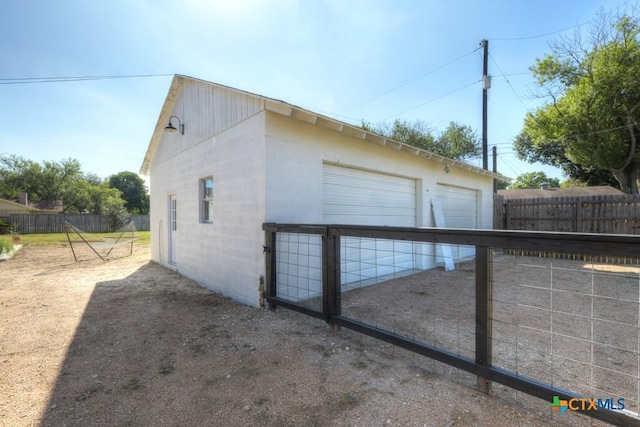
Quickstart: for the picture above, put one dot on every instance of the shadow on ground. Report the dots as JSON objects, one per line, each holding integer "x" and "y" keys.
{"x": 156, "y": 349}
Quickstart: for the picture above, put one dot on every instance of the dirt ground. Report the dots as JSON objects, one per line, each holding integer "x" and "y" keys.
{"x": 126, "y": 342}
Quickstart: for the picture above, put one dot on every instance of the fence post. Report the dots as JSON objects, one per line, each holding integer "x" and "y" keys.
{"x": 270, "y": 266}
{"x": 331, "y": 278}
{"x": 484, "y": 296}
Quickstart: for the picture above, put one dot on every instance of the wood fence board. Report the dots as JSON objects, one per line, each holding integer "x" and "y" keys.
{"x": 54, "y": 223}
{"x": 594, "y": 214}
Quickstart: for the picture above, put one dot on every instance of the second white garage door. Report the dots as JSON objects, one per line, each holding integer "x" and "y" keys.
{"x": 357, "y": 197}
{"x": 460, "y": 210}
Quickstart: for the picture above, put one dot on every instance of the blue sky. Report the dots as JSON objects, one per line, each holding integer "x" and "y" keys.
{"x": 348, "y": 59}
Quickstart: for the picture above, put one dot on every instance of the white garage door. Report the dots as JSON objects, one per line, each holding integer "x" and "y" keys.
{"x": 460, "y": 210}
{"x": 353, "y": 196}
{"x": 357, "y": 197}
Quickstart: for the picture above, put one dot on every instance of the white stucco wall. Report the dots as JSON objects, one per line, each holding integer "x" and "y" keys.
{"x": 225, "y": 256}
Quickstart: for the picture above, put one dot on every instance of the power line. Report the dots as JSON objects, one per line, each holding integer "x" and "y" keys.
{"x": 413, "y": 80}
{"x": 436, "y": 98}
{"x": 508, "y": 82}
{"x": 509, "y": 166}
{"x": 537, "y": 36}
{"x": 31, "y": 80}
{"x": 518, "y": 74}
{"x": 562, "y": 139}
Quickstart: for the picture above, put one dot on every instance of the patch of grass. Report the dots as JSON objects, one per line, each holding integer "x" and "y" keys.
{"x": 57, "y": 239}
{"x": 260, "y": 401}
{"x": 5, "y": 246}
{"x": 347, "y": 400}
{"x": 133, "y": 384}
{"x": 167, "y": 369}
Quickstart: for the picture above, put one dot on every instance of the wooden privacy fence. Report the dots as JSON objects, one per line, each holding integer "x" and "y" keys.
{"x": 592, "y": 214}
{"x": 54, "y": 223}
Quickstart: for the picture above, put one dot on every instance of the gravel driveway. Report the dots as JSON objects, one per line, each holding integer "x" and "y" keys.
{"x": 128, "y": 343}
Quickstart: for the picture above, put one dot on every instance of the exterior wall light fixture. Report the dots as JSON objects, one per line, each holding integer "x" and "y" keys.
{"x": 171, "y": 128}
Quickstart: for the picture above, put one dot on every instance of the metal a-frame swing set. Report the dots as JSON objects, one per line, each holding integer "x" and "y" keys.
{"x": 124, "y": 236}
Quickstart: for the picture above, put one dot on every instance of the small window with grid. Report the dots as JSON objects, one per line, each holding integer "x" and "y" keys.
{"x": 206, "y": 185}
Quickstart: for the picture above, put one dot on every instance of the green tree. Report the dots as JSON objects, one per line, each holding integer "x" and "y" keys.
{"x": 52, "y": 181}
{"x": 134, "y": 191}
{"x": 530, "y": 180}
{"x": 571, "y": 183}
{"x": 17, "y": 174}
{"x": 553, "y": 153}
{"x": 592, "y": 115}
{"x": 502, "y": 185}
{"x": 113, "y": 208}
{"x": 417, "y": 133}
{"x": 459, "y": 142}
{"x": 49, "y": 181}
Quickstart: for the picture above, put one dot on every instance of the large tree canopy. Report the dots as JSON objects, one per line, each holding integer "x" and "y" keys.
{"x": 591, "y": 119}
{"x": 134, "y": 191}
{"x": 531, "y": 180}
{"x": 457, "y": 141}
{"x": 52, "y": 181}
{"x": 553, "y": 153}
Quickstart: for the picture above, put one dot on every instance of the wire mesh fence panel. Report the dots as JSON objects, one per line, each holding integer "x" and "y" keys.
{"x": 365, "y": 261}
{"x": 402, "y": 287}
{"x": 555, "y": 316}
{"x": 571, "y": 323}
{"x": 299, "y": 268}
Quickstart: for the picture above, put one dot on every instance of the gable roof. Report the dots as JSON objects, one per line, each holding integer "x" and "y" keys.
{"x": 33, "y": 206}
{"x": 537, "y": 193}
{"x": 10, "y": 204}
{"x": 46, "y": 205}
{"x": 289, "y": 110}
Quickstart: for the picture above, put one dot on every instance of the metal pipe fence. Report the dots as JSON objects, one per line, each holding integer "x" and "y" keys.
{"x": 560, "y": 328}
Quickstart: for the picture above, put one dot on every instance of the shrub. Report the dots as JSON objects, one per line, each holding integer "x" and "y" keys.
{"x": 5, "y": 227}
{"x": 5, "y": 246}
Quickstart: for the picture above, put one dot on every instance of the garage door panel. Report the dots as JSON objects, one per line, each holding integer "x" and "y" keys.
{"x": 460, "y": 210}
{"x": 358, "y": 197}
{"x": 459, "y": 206}
{"x": 364, "y": 197}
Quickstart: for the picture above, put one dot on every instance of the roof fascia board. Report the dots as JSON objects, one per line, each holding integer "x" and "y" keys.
{"x": 290, "y": 110}
{"x": 163, "y": 117}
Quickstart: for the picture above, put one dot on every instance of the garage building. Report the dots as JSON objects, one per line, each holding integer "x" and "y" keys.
{"x": 222, "y": 162}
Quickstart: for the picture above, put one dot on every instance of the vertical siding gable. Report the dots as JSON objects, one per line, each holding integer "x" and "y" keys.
{"x": 205, "y": 110}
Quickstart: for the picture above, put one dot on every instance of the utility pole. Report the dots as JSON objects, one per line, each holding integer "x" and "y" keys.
{"x": 486, "y": 84}
{"x": 495, "y": 168}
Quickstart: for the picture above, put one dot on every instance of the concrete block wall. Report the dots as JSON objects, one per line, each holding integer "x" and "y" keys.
{"x": 226, "y": 255}
{"x": 295, "y": 155}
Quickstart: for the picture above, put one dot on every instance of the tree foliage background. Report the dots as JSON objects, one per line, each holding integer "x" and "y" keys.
{"x": 459, "y": 142}
{"x": 532, "y": 180}
{"x": 589, "y": 125}
{"x": 80, "y": 192}
{"x": 134, "y": 192}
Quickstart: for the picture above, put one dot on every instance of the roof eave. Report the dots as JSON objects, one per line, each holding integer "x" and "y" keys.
{"x": 163, "y": 117}
{"x": 298, "y": 113}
